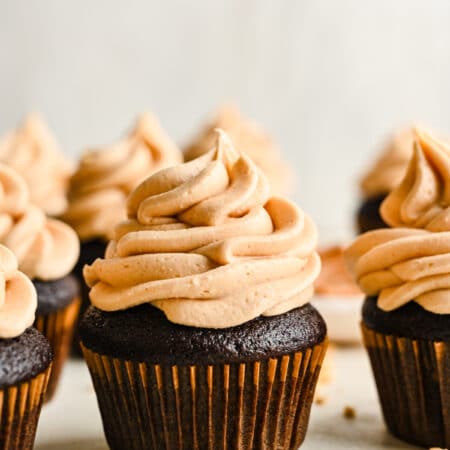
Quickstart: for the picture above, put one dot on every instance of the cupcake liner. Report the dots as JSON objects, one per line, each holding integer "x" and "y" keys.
{"x": 413, "y": 381}
{"x": 255, "y": 405}
{"x": 20, "y": 407}
{"x": 58, "y": 328}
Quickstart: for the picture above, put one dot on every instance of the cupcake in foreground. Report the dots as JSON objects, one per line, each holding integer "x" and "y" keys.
{"x": 47, "y": 250}
{"x": 25, "y": 358}
{"x": 249, "y": 137}
{"x": 201, "y": 334}
{"x": 384, "y": 175}
{"x": 33, "y": 152}
{"x": 338, "y": 298}
{"x": 405, "y": 273}
{"x": 104, "y": 179}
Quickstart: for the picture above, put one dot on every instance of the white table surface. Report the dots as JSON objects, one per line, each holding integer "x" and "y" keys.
{"x": 72, "y": 421}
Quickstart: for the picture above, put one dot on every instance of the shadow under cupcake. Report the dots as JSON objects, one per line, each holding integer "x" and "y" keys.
{"x": 201, "y": 334}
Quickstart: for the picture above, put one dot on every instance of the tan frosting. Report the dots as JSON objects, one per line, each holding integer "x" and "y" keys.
{"x": 33, "y": 152}
{"x": 206, "y": 244}
{"x": 335, "y": 279}
{"x": 104, "y": 178}
{"x": 47, "y": 249}
{"x": 18, "y": 298}
{"x": 411, "y": 260}
{"x": 389, "y": 169}
{"x": 249, "y": 137}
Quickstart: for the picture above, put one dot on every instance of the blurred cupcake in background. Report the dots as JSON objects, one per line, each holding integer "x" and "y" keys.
{"x": 33, "y": 152}
{"x": 104, "y": 179}
{"x": 249, "y": 137}
{"x": 47, "y": 251}
{"x": 338, "y": 297}
{"x": 404, "y": 271}
{"x": 25, "y": 357}
{"x": 201, "y": 333}
{"x": 384, "y": 175}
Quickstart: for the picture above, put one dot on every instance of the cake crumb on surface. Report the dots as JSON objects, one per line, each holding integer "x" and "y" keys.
{"x": 320, "y": 400}
{"x": 349, "y": 413}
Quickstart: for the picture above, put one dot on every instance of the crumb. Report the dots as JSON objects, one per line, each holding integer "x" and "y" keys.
{"x": 320, "y": 400}
{"x": 349, "y": 412}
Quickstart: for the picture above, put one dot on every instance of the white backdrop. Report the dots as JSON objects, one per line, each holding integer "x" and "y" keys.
{"x": 327, "y": 78}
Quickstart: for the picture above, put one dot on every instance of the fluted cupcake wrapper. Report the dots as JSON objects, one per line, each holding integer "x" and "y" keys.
{"x": 20, "y": 407}
{"x": 255, "y": 405}
{"x": 413, "y": 381}
{"x": 58, "y": 328}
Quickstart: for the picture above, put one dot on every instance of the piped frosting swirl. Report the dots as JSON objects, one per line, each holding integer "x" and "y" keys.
{"x": 388, "y": 170}
{"x": 18, "y": 298}
{"x": 207, "y": 245}
{"x": 46, "y": 248}
{"x": 249, "y": 137}
{"x": 32, "y": 151}
{"x": 105, "y": 177}
{"x": 411, "y": 261}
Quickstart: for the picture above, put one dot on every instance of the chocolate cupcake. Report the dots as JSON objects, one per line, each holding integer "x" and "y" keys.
{"x": 102, "y": 182}
{"x": 201, "y": 334}
{"x": 249, "y": 137}
{"x": 405, "y": 272}
{"x": 385, "y": 174}
{"x": 33, "y": 152}
{"x": 47, "y": 250}
{"x": 25, "y": 358}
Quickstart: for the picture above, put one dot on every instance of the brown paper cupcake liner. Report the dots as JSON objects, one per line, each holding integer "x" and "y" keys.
{"x": 256, "y": 405}
{"x": 20, "y": 407}
{"x": 413, "y": 381}
{"x": 58, "y": 328}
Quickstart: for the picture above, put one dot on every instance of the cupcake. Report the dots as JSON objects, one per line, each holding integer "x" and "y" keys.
{"x": 103, "y": 181}
{"x": 249, "y": 137}
{"x": 384, "y": 175}
{"x": 25, "y": 358}
{"x": 47, "y": 250}
{"x": 201, "y": 334}
{"x": 338, "y": 298}
{"x": 33, "y": 152}
{"x": 404, "y": 270}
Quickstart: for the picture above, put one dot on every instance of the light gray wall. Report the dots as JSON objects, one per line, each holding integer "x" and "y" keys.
{"x": 327, "y": 77}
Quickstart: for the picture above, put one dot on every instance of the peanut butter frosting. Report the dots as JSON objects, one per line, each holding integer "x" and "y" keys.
{"x": 18, "y": 298}
{"x": 388, "y": 170}
{"x": 46, "y": 249}
{"x": 207, "y": 244}
{"x": 411, "y": 261}
{"x": 249, "y": 137}
{"x": 32, "y": 151}
{"x": 104, "y": 178}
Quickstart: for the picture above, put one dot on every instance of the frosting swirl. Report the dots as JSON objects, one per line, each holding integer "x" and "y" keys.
{"x": 207, "y": 245}
{"x": 388, "y": 170}
{"x": 249, "y": 137}
{"x": 18, "y": 298}
{"x": 104, "y": 178}
{"x": 46, "y": 248}
{"x": 412, "y": 260}
{"x": 32, "y": 151}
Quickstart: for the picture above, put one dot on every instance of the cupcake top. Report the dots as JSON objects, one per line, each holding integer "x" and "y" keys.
{"x": 388, "y": 170}
{"x": 411, "y": 260}
{"x": 46, "y": 249}
{"x": 105, "y": 177}
{"x": 207, "y": 244}
{"x": 18, "y": 298}
{"x": 33, "y": 152}
{"x": 249, "y": 137}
